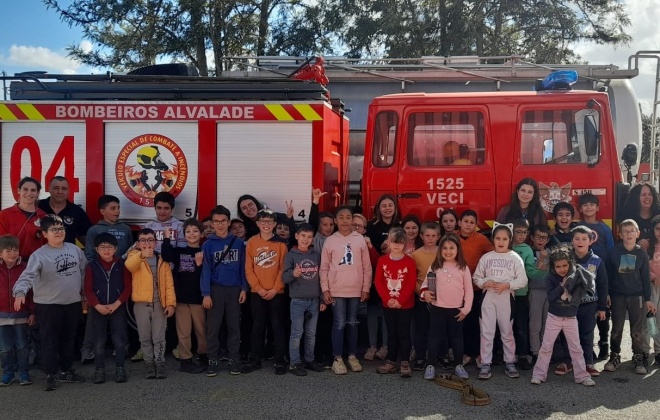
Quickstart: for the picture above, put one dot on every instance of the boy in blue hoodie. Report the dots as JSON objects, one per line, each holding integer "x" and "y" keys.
{"x": 301, "y": 273}
{"x": 224, "y": 287}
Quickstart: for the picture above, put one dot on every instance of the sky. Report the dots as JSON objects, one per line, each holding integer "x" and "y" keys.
{"x": 34, "y": 38}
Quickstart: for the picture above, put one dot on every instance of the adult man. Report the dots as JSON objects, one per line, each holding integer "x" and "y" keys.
{"x": 75, "y": 219}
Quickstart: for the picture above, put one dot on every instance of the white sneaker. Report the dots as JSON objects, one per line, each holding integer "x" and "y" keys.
{"x": 338, "y": 367}
{"x": 536, "y": 381}
{"x": 588, "y": 382}
{"x": 461, "y": 372}
{"x": 429, "y": 373}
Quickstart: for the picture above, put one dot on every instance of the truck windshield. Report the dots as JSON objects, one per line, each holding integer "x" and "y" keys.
{"x": 557, "y": 137}
{"x": 446, "y": 138}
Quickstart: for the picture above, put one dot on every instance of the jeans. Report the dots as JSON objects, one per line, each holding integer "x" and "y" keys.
{"x": 57, "y": 327}
{"x": 304, "y": 316}
{"x": 14, "y": 349}
{"x": 118, "y": 332}
{"x": 344, "y": 313}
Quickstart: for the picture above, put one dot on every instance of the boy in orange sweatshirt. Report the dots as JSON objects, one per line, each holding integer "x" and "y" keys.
{"x": 264, "y": 265}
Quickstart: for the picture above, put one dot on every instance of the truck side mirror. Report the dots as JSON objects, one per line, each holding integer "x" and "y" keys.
{"x": 591, "y": 135}
{"x": 629, "y": 155}
{"x": 548, "y": 150}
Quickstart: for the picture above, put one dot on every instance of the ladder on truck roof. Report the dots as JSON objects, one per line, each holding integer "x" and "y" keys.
{"x": 655, "y": 147}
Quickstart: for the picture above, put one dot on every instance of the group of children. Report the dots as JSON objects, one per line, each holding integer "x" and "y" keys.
{"x": 459, "y": 290}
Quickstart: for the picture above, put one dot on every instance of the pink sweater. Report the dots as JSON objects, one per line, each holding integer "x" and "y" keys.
{"x": 654, "y": 264}
{"x": 345, "y": 266}
{"x": 453, "y": 288}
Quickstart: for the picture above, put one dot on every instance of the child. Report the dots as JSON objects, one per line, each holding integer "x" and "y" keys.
{"x": 395, "y": 282}
{"x": 448, "y": 221}
{"x": 55, "y": 274}
{"x": 237, "y": 228}
{"x": 521, "y": 310}
{"x": 301, "y": 273}
{"x": 566, "y": 285}
{"x": 224, "y": 287}
{"x": 153, "y": 294}
{"x": 629, "y": 286}
{"x": 499, "y": 273}
{"x": 474, "y": 246}
{"x": 207, "y": 227}
{"x": 538, "y": 295}
{"x": 110, "y": 209}
{"x": 264, "y": 265}
{"x": 189, "y": 313}
{"x": 563, "y": 213}
{"x": 14, "y": 349}
{"x": 345, "y": 281}
{"x": 424, "y": 257}
{"x": 411, "y": 226}
{"x": 594, "y": 300}
{"x": 107, "y": 288}
{"x": 323, "y": 223}
{"x": 450, "y": 303}
{"x": 164, "y": 205}
{"x": 654, "y": 268}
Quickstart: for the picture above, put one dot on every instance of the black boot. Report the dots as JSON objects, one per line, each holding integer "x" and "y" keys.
{"x": 188, "y": 366}
{"x": 603, "y": 350}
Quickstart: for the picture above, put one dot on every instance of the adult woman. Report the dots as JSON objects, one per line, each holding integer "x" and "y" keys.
{"x": 247, "y": 208}
{"x": 525, "y": 203}
{"x": 642, "y": 205}
{"x": 22, "y": 219}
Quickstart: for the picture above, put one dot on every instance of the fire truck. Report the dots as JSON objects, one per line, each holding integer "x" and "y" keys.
{"x": 205, "y": 140}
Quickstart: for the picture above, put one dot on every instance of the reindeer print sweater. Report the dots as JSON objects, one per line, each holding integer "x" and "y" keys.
{"x": 396, "y": 279}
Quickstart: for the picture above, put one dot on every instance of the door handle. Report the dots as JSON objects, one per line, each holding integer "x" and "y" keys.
{"x": 410, "y": 195}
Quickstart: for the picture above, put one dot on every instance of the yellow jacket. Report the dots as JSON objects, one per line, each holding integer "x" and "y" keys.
{"x": 143, "y": 281}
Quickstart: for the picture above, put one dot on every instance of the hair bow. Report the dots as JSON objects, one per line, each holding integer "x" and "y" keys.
{"x": 506, "y": 225}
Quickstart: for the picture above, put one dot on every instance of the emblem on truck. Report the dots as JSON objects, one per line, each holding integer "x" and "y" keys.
{"x": 149, "y": 164}
{"x": 553, "y": 194}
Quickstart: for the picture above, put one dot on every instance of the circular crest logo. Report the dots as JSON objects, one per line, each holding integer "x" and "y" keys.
{"x": 149, "y": 164}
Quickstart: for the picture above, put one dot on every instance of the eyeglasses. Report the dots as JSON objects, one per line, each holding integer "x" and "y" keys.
{"x": 220, "y": 222}
{"x": 106, "y": 247}
{"x": 147, "y": 241}
{"x": 541, "y": 238}
{"x": 521, "y": 232}
{"x": 358, "y": 226}
{"x": 56, "y": 229}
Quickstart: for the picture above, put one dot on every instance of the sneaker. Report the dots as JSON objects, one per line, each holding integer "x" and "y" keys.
{"x": 151, "y": 371}
{"x": 138, "y": 356}
{"x": 536, "y": 381}
{"x": 370, "y": 354}
{"x": 523, "y": 363}
{"x": 638, "y": 365}
{"x": 387, "y": 367}
{"x": 99, "y": 376}
{"x": 280, "y": 368}
{"x": 405, "y": 370}
{"x": 120, "y": 375}
{"x": 563, "y": 368}
{"x": 588, "y": 382}
{"x": 70, "y": 377}
{"x": 382, "y": 353}
{"x": 175, "y": 353}
{"x": 51, "y": 383}
{"x": 445, "y": 364}
{"x": 419, "y": 365}
{"x": 484, "y": 372}
{"x": 212, "y": 368}
{"x": 188, "y": 366}
{"x": 251, "y": 367}
{"x": 429, "y": 373}
{"x": 234, "y": 367}
{"x": 354, "y": 364}
{"x": 7, "y": 379}
{"x": 86, "y": 356}
{"x": 223, "y": 356}
{"x": 314, "y": 366}
{"x": 460, "y": 371}
{"x": 298, "y": 370}
{"x": 161, "y": 372}
{"x": 591, "y": 369}
{"x": 338, "y": 367}
{"x": 511, "y": 371}
{"x": 24, "y": 379}
{"x": 611, "y": 365}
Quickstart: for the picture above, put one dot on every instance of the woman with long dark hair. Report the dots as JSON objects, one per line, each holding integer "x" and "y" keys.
{"x": 525, "y": 203}
{"x": 642, "y": 205}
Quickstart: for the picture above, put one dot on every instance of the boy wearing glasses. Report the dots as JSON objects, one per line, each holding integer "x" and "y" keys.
{"x": 224, "y": 287}
{"x": 153, "y": 294}
{"x": 264, "y": 266}
{"x": 107, "y": 288}
{"x": 55, "y": 274}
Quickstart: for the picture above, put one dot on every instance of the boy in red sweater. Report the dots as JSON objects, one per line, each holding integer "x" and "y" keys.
{"x": 14, "y": 349}
{"x": 395, "y": 281}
